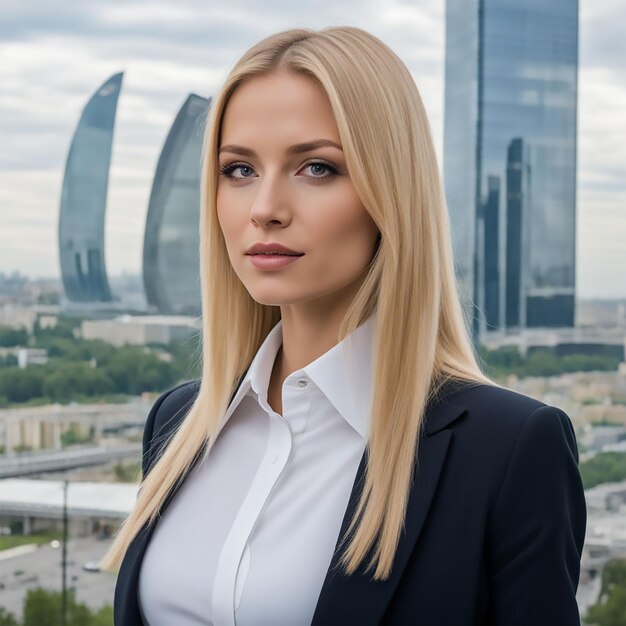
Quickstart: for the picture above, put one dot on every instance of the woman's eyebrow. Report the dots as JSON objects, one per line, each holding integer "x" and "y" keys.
{"x": 295, "y": 149}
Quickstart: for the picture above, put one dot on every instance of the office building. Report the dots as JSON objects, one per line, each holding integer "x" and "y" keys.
{"x": 83, "y": 198}
{"x": 510, "y": 159}
{"x": 171, "y": 263}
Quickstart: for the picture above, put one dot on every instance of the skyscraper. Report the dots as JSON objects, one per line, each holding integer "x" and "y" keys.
{"x": 83, "y": 198}
{"x": 171, "y": 263}
{"x": 510, "y": 159}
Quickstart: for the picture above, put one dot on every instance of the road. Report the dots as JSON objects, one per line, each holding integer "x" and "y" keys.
{"x": 29, "y": 568}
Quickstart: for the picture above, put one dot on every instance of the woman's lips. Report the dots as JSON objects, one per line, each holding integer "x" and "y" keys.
{"x": 271, "y": 261}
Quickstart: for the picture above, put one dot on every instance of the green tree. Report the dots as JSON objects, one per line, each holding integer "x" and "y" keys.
{"x": 72, "y": 436}
{"x": 10, "y": 360}
{"x": 611, "y": 606}
{"x": 127, "y": 472}
{"x": 67, "y": 380}
{"x": 589, "y": 362}
{"x": 97, "y": 349}
{"x": 103, "y": 617}
{"x": 81, "y": 370}
{"x": 187, "y": 355}
{"x": 43, "y": 608}
{"x": 134, "y": 371}
{"x": 20, "y": 385}
{"x": 11, "y": 337}
{"x": 59, "y": 347}
{"x": 507, "y": 357}
{"x": 65, "y": 327}
{"x": 541, "y": 362}
{"x": 604, "y": 467}
{"x": 7, "y": 619}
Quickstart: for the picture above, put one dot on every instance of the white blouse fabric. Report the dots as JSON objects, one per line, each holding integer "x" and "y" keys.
{"x": 250, "y": 534}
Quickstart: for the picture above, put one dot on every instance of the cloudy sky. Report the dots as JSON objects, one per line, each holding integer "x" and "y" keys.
{"x": 55, "y": 53}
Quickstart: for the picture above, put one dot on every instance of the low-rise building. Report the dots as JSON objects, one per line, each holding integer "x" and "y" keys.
{"x": 141, "y": 329}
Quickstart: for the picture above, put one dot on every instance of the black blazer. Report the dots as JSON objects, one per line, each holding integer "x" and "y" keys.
{"x": 494, "y": 528}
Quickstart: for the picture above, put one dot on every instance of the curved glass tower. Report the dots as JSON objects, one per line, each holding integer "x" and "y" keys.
{"x": 510, "y": 159}
{"x": 83, "y": 198}
{"x": 171, "y": 263}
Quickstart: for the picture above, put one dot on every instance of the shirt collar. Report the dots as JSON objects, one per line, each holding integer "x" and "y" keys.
{"x": 343, "y": 374}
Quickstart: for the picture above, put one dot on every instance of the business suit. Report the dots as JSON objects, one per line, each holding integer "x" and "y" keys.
{"x": 494, "y": 529}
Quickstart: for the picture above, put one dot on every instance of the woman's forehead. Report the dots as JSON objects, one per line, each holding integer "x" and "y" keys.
{"x": 272, "y": 108}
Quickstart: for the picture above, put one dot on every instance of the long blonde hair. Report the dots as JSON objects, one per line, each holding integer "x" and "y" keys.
{"x": 421, "y": 338}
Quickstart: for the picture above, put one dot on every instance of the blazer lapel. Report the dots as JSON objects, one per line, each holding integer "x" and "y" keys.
{"x": 357, "y": 599}
{"x": 126, "y": 602}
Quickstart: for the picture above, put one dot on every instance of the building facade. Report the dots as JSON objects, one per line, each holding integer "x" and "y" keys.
{"x": 171, "y": 261}
{"x": 510, "y": 159}
{"x": 83, "y": 198}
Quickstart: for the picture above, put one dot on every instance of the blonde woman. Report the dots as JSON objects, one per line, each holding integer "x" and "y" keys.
{"x": 343, "y": 459}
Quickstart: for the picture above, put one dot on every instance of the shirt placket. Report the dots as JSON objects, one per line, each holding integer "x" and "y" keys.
{"x": 297, "y": 402}
{"x": 274, "y": 461}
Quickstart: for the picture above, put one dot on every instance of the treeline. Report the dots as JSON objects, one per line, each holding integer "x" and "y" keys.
{"x": 604, "y": 467}
{"x": 505, "y": 361}
{"x": 43, "y": 608}
{"x": 91, "y": 370}
{"x": 83, "y": 370}
{"x": 10, "y": 337}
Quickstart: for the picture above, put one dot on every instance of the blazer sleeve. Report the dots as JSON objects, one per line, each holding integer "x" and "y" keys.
{"x": 537, "y": 527}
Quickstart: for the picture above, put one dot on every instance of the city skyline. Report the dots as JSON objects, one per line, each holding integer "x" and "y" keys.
{"x": 55, "y": 57}
{"x": 510, "y": 159}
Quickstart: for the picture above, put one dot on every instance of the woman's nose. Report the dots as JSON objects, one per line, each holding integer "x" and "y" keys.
{"x": 271, "y": 201}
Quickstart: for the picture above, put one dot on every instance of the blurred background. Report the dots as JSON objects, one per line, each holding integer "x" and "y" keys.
{"x": 102, "y": 106}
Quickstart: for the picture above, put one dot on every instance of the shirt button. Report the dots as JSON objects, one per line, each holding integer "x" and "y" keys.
{"x": 302, "y": 383}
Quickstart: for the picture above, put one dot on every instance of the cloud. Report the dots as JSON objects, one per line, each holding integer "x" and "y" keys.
{"x": 55, "y": 55}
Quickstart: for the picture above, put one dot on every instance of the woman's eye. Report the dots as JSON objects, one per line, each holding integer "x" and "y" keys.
{"x": 227, "y": 170}
{"x": 316, "y": 165}
{"x": 317, "y": 169}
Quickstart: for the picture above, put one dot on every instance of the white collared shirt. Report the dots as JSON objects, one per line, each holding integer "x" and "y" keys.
{"x": 249, "y": 536}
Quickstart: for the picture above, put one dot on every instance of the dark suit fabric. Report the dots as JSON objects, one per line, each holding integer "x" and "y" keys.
{"x": 494, "y": 528}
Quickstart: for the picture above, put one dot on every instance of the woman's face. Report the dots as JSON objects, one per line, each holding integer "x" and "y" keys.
{"x": 272, "y": 189}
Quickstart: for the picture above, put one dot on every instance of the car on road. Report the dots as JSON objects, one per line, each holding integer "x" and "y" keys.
{"x": 91, "y": 566}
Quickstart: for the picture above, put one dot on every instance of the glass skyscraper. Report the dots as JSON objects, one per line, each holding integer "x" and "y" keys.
{"x": 510, "y": 159}
{"x": 83, "y": 198}
{"x": 171, "y": 263}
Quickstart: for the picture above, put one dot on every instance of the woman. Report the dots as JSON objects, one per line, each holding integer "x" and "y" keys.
{"x": 366, "y": 471}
